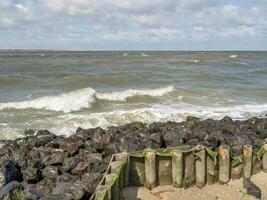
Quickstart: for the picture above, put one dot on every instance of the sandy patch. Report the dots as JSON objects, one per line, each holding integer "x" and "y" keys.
{"x": 232, "y": 191}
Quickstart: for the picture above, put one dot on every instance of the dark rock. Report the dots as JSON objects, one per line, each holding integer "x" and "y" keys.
{"x": 70, "y": 163}
{"x": 11, "y": 190}
{"x": 32, "y": 175}
{"x": 57, "y": 157}
{"x": 81, "y": 168}
{"x": 71, "y": 145}
{"x": 69, "y": 189}
{"x": 251, "y": 188}
{"x": 50, "y": 172}
{"x": 31, "y": 194}
{"x": 172, "y": 139}
{"x": 90, "y": 181}
{"x": 64, "y": 178}
{"x": 12, "y": 172}
{"x": 56, "y": 197}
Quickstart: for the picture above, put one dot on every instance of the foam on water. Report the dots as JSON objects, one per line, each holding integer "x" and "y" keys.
{"x": 66, "y": 124}
{"x": 66, "y": 102}
{"x": 124, "y": 95}
{"x": 82, "y": 98}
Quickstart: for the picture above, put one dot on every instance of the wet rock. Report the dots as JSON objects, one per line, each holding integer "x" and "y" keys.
{"x": 90, "y": 181}
{"x": 81, "y": 168}
{"x": 50, "y": 172}
{"x": 12, "y": 172}
{"x": 45, "y": 186}
{"x": 69, "y": 189}
{"x": 71, "y": 145}
{"x": 64, "y": 178}
{"x": 171, "y": 139}
{"x": 32, "y": 175}
{"x": 11, "y": 190}
{"x": 57, "y": 157}
{"x": 70, "y": 163}
{"x": 31, "y": 194}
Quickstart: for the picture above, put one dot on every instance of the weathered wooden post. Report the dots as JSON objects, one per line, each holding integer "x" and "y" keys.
{"x": 150, "y": 169}
{"x": 177, "y": 169}
{"x": 201, "y": 167}
{"x": 247, "y": 165}
{"x": 224, "y": 164}
{"x": 114, "y": 193}
{"x": 100, "y": 192}
{"x": 264, "y": 158}
{"x": 117, "y": 168}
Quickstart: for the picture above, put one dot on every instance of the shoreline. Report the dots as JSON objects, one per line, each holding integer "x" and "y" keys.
{"x": 45, "y": 165}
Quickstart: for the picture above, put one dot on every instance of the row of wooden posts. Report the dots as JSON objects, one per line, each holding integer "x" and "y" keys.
{"x": 180, "y": 167}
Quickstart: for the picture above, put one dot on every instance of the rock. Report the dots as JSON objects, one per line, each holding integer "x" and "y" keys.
{"x": 251, "y": 188}
{"x": 69, "y": 189}
{"x": 11, "y": 190}
{"x": 81, "y": 168}
{"x": 70, "y": 163}
{"x": 91, "y": 180}
{"x": 56, "y": 197}
{"x": 44, "y": 186}
{"x": 57, "y": 157}
{"x": 32, "y": 175}
{"x": 50, "y": 172}
{"x": 12, "y": 173}
{"x": 171, "y": 139}
{"x": 70, "y": 145}
{"x": 31, "y": 194}
{"x": 64, "y": 178}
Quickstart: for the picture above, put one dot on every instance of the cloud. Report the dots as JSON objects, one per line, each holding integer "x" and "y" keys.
{"x": 151, "y": 21}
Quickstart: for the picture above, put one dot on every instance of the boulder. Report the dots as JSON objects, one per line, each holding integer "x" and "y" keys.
{"x": 69, "y": 189}
{"x": 12, "y": 172}
{"x": 31, "y": 194}
{"x": 71, "y": 145}
{"x": 50, "y": 172}
{"x": 11, "y": 190}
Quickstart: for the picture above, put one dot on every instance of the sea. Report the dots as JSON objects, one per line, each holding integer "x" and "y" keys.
{"x": 63, "y": 90}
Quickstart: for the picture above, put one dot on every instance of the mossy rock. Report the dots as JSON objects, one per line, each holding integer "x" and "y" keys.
{"x": 29, "y": 132}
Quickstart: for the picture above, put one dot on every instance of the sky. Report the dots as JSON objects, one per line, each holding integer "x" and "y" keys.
{"x": 133, "y": 24}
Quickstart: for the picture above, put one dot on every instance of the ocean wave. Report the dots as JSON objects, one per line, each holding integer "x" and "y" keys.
{"x": 67, "y": 123}
{"x": 124, "y": 95}
{"x": 81, "y": 98}
{"x": 66, "y": 102}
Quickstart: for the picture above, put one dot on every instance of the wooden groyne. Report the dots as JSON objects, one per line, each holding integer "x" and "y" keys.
{"x": 181, "y": 167}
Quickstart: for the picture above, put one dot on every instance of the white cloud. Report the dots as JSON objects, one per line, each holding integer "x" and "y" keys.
{"x": 147, "y": 21}
{"x": 5, "y": 3}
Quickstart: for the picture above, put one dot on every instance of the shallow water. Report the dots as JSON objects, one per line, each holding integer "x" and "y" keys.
{"x": 60, "y": 91}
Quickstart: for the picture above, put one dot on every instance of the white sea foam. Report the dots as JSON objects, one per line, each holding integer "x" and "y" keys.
{"x": 233, "y": 56}
{"x": 81, "y": 98}
{"x": 124, "y": 95}
{"x": 66, "y": 102}
{"x": 67, "y": 123}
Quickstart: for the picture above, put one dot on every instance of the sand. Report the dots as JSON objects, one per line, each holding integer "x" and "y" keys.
{"x": 232, "y": 191}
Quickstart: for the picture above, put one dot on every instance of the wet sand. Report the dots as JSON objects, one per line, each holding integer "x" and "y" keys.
{"x": 232, "y": 191}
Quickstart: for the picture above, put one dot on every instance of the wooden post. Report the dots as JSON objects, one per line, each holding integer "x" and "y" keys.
{"x": 247, "y": 165}
{"x": 177, "y": 169}
{"x": 99, "y": 192}
{"x": 264, "y": 158}
{"x": 150, "y": 169}
{"x": 115, "y": 193}
{"x": 201, "y": 168}
{"x": 224, "y": 164}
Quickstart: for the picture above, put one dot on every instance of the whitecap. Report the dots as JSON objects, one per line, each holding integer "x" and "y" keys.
{"x": 66, "y": 102}
{"x": 233, "y": 56}
{"x": 124, "y": 95}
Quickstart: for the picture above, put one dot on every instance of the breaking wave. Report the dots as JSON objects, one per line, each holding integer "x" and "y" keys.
{"x": 81, "y": 98}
